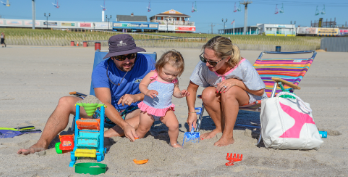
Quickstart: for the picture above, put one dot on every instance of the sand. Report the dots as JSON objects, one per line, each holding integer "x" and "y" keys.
{"x": 34, "y": 78}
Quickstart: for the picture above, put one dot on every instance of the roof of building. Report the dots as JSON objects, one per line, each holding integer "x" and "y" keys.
{"x": 172, "y": 12}
{"x": 130, "y": 18}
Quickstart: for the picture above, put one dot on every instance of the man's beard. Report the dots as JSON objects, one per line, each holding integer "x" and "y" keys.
{"x": 127, "y": 69}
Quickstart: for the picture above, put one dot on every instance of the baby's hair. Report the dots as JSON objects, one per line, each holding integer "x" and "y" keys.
{"x": 173, "y": 58}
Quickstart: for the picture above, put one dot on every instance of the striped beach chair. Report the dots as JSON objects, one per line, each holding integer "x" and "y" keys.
{"x": 278, "y": 74}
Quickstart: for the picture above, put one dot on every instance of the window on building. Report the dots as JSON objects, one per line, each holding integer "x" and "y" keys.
{"x": 158, "y": 18}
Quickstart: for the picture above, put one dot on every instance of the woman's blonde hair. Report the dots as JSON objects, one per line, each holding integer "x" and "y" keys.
{"x": 223, "y": 48}
{"x": 172, "y": 57}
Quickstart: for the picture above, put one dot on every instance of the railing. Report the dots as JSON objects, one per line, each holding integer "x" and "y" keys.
{"x": 184, "y": 23}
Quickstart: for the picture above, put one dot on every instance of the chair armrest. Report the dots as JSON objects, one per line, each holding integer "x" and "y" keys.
{"x": 275, "y": 79}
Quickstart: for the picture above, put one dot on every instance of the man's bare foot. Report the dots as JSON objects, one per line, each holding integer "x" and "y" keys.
{"x": 210, "y": 134}
{"x": 224, "y": 141}
{"x": 32, "y": 149}
{"x": 176, "y": 145}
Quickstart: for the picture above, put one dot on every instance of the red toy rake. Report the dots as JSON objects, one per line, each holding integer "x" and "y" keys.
{"x": 233, "y": 158}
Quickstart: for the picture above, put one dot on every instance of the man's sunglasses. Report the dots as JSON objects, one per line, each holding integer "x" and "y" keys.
{"x": 212, "y": 63}
{"x": 123, "y": 57}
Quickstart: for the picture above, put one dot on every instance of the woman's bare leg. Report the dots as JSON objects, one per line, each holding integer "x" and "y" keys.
{"x": 172, "y": 123}
{"x": 211, "y": 101}
{"x": 145, "y": 123}
{"x": 56, "y": 123}
{"x": 230, "y": 102}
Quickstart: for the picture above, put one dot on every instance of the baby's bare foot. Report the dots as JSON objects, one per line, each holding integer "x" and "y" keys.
{"x": 176, "y": 145}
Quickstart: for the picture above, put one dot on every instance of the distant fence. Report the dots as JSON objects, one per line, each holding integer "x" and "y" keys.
{"x": 334, "y": 44}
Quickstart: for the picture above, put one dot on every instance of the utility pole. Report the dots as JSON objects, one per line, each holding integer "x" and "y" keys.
{"x": 245, "y": 3}
{"x": 224, "y": 24}
{"x": 212, "y": 28}
{"x": 33, "y": 13}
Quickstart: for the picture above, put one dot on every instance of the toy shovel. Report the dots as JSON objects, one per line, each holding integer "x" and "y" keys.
{"x": 18, "y": 128}
{"x": 191, "y": 136}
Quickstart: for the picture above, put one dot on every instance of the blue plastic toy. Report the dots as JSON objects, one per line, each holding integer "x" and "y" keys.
{"x": 89, "y": 134}
{"x": 191, "y": 136}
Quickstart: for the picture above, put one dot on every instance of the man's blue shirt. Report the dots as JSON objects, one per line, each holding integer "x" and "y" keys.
{"x": 130, "y": 84}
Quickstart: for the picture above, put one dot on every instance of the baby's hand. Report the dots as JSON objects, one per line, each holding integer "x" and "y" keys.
{"x": 184, "y": 93}
{"x": 152, "y": 93}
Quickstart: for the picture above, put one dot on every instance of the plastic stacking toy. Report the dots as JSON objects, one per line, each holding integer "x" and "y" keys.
{"x": 139, "y": 162}
{"x": 233, "y": 158}
{"x": 89, "y": 134}
{"x": 191, "y": 136}
{"x": 91, "y": 168}
{"x": 66, "y": 144}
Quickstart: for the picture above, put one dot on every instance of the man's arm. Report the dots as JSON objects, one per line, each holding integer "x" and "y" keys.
{"x": 104, "y": 95}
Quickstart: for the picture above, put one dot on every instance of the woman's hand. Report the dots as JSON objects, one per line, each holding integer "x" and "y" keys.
{"x": 152, "y": 93}
{"x": 225, "y": 85}
{"x": 192, "y": 120}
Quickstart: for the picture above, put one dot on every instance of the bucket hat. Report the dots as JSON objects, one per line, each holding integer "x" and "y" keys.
{"x": 122, "y": 44}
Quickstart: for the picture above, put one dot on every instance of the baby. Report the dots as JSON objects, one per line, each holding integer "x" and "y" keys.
{"x": 159, "y": 86}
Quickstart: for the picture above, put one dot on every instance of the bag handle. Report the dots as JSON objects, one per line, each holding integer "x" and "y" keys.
{"x": 301, "y": 104}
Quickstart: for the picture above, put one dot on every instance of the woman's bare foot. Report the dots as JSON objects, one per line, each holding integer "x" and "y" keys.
{"x": 32, "y": 149}
{"x": 176, "y": 145}
{"x": 224, "y": 141}
{"x": 210, "y": 134}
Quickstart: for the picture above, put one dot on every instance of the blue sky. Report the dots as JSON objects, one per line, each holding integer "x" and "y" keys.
{"x": 209, "y": 11}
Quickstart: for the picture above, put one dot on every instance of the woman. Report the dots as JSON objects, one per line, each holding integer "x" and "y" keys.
{"x": 230, "y": 81}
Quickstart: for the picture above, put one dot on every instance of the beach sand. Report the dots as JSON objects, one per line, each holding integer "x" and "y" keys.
{"x": 34, "y": 78}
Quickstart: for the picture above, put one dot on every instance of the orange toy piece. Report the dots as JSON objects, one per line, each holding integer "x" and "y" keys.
{"x": 66, "y": 142}
{"x": 233, "y": 158}
{"x": 139, "y": 162}
{"x": 92, "y": 124}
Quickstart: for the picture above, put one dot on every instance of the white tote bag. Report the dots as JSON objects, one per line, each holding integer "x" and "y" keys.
{"x": 288, "y": 124}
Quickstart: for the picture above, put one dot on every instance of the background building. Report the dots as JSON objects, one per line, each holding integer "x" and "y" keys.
{"x": 133, "y": 23}
{"x": 277, "y": 29}
{"x": 173, "y": 21}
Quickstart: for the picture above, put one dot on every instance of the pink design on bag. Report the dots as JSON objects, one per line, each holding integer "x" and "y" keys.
{"x": 300, "y": 120}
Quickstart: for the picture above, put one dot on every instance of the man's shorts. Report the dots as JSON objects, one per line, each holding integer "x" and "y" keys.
{"x": 123, "y": 113}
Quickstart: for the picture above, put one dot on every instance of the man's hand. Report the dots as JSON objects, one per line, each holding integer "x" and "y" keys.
{"x": 152, "y": 93}
{"x": 127, "y": 99}
{"x": 129, "y": 132}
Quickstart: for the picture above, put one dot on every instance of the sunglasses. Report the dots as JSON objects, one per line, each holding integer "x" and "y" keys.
{"x": 123, "y": 57}
{"x": 212, "y": 63}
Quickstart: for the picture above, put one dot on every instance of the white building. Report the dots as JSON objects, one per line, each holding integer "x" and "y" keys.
{"x": 277, "y": 29}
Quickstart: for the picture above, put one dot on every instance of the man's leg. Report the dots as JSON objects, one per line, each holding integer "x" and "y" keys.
{"x": 211, "y": 101}
{"x": 56, "y": 123}
{"x": 132, "y": 118}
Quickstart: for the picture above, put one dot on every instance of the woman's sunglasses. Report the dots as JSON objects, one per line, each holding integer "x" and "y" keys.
{"x": 212, "y": 63}
{"x": 123, "y": 57}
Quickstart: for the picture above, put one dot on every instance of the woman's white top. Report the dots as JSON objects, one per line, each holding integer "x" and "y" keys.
{"x": 244, "y": 71}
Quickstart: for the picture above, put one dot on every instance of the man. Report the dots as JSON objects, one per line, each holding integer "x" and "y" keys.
{"x": 116, "y": 84}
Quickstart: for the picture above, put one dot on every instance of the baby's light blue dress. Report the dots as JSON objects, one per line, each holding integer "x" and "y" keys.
{"x": 159, "y": 105}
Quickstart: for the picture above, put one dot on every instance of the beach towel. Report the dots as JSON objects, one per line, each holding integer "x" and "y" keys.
{"x": 11, "y": 133}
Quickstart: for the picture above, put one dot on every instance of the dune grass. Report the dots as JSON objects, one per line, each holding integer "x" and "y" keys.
{"x": 44, "y": 37}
